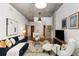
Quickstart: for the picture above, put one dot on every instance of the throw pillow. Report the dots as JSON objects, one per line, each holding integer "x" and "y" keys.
{"x": 8, "y": 42}
{"x": 13, "y": 41}
{"x": 2, "y": 44}
{"x": 21, "y": 37}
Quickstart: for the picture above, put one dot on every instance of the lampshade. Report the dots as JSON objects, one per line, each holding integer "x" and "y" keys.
{"x": 40, "y": 5}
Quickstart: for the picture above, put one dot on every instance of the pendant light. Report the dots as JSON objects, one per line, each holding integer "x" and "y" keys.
{"x": 39, "y": 19}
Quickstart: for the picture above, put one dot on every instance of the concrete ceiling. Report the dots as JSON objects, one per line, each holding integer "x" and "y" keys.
{"x": 30, "y": 11}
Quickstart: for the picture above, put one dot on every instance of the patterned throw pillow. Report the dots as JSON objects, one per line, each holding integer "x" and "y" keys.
{"x": 8, "y": 42}
{"x": 13, "y": 41}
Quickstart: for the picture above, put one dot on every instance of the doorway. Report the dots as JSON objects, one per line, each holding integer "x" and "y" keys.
{"x": 32, "y": 30}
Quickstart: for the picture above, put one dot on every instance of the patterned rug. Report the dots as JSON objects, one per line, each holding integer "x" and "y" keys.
{"x": 36, "y": 54}
{"x": 35, "y": 50}
{"x": 29, "y": 53}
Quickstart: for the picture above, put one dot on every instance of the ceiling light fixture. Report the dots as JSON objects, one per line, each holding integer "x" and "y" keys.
{"x": 40, "y": 5}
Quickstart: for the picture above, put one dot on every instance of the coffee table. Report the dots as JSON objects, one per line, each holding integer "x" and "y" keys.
{"x": 47, "y": 48}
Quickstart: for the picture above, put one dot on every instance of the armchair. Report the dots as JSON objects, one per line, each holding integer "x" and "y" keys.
{"x": 69, "y": 49}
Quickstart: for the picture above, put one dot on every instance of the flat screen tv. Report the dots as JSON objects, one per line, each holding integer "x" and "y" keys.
{"x": 59, "y": 34}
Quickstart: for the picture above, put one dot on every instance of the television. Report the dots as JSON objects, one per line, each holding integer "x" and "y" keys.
{"x": 59, "y": 34}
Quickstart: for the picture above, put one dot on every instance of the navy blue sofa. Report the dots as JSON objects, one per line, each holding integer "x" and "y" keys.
{"x": 3, "y": 51}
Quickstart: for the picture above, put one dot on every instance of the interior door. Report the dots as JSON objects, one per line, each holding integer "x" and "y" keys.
{"x": 48, "y": 32}
{"x": 44, "y": 30}
{"x": 32, "y": 30}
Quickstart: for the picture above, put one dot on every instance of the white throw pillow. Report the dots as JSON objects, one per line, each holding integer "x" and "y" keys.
{"x": 21, "y": 37}
{"x": 13, "y": 41}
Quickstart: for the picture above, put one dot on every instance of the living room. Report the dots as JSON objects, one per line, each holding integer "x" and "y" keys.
{"x": 41, "y": 26}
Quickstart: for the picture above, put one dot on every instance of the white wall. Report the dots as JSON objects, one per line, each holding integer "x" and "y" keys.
{"x": 31, "y": 23}
{"x": 7, "y": 11}
{"x": 64, "y": 11}
{"x": 45, "y": 20}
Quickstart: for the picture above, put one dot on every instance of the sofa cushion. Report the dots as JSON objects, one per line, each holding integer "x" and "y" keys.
{"x": 2, "y": 44}
{"x": 13, "y": 41}
{"x": 8, "y": 42}
{"x": 21, "y": 37}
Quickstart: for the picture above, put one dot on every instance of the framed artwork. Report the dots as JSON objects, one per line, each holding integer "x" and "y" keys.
{"x": 64, "y": 23}
{"x": 11, "y": 27}
{"x": 74, "y": 21}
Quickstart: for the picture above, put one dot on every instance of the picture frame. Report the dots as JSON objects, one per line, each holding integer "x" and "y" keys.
{"x": 11, "y": 27}
{"x": 74, "y": 21}
{"x": 64, "y": 23}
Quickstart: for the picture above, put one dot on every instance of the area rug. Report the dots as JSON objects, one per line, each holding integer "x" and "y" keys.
{"x": 29, "y": 53}
{"x": 36, "y": 54}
